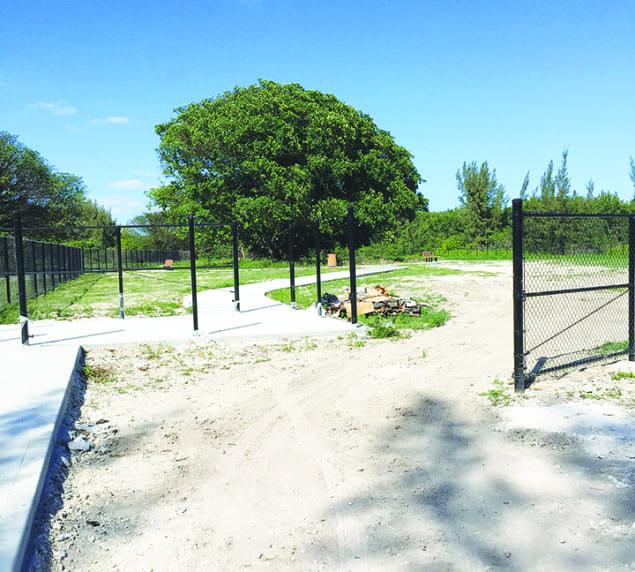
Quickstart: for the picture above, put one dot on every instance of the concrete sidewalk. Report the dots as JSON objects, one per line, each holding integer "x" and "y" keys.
{"x": 35, "y": 379}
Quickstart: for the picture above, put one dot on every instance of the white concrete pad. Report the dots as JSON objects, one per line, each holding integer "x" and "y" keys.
{"x": 34, "y": 379}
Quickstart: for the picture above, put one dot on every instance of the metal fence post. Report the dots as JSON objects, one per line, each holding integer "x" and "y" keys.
{"x": 291, "y": 265}
{"x": 120, "y": 273}
{"x": 351, "y": 264}
{"x": 318, "y": 278}
{"x": 34, "y": 257}
{"x": 19, "y": 255}
{"x": 631, "y": 288}
{"x": 6, "y": 268}
{"x": 519, "y": 321}
{"x": 43, "y": 244}
{"x": 193, "y": 273}
{"x": 236, "y": 270}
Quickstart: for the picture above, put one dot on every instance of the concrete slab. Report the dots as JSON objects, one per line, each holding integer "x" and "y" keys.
{"x": 34, "y": 379}
{"x": 34, "y": 391}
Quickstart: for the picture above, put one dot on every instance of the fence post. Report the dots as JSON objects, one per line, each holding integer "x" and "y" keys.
{"x": 631, "y": 288}
{"x": 318, "y": 278}
{"x": 52, "y": 261}
{"x": 44, "y": 265}
{"x": 519, "y": 321}
{"x": 351, "y": 264}
{"x": 120, "y": 273}
{"x": 291, "y": 265}
{"x": 235, "y": 258}
{"x": 19, "y": 255}
{"x": 6, "y": 268}
{"x": 193, "y": 274}
{"x": 34, "y": 257}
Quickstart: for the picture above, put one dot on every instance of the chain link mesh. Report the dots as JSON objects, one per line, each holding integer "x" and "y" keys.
{"x": 576, "y": 277}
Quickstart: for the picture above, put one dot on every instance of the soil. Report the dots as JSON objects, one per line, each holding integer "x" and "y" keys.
{"x": 350, "y": 454}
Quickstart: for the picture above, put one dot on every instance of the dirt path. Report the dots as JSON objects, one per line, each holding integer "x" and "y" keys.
{"x": 340, "y": 455}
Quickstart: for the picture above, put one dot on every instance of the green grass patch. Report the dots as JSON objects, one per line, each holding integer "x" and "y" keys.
{"x": 404, "y": 282}
{"x": 623, "y": 375}
{"x": 499, "y": 395}
{"x": 98, "y": 374}
{"x": 151, "y": 293}
{"x": 611, "y": 348}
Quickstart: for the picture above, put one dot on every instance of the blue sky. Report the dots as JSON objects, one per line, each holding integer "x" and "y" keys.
{"x": 510, "y": 82}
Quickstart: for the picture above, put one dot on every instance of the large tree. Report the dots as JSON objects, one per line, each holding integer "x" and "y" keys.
{"x": 30, "y": 186}
{"x": 267, "y": 153}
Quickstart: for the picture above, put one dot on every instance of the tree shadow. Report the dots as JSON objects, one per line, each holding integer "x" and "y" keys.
{"x": 445, "y": 501}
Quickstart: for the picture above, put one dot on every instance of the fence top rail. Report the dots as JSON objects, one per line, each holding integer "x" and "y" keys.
{"x": 578, "y": 215}
{"x": 180, "y": 225}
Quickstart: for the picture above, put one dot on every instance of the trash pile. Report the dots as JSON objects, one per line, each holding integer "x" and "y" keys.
{"x": 376, "y": 301}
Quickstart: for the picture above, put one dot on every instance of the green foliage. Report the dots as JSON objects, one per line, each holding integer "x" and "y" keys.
{"x": 29, "y": 185}
{"x": 93, "y": 214}
{"x": 156, "y": 237}
{"x": 98, "y": 374}
{"x": 622, "y": 375}
{"x": 384, "y": 330}
{"x": 499, "y": 395}
{"x": 269, "y": 152}
{"x": 484, "y": 203}
{"x": 611, "y": 348}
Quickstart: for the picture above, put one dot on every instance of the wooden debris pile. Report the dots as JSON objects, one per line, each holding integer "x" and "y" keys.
{"x": 376, "y": 301}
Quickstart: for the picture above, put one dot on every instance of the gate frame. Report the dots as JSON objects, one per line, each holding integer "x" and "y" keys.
{"x": 520, "y": 295}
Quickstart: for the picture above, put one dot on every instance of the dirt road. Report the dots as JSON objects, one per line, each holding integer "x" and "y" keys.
{"x": 342, "y": 455}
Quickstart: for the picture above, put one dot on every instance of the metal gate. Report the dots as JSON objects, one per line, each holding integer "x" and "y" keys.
{"x": 574, "y": 277}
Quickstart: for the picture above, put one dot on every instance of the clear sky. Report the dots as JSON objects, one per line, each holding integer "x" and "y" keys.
{"x": 510, "y": 82}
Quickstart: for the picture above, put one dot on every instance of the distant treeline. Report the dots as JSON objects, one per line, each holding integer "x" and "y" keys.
{"x": 482, "y": 222}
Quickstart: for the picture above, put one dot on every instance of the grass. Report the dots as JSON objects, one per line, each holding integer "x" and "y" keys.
{"x": 155, "y": 293}
{"x": 611, "y": 348}
{"x": 404, "y": 282}
{"x": 151, "y": 293}
{"x": 498, "y": 395}
{"x": 98, "y": 374}
{"x": 623, "y": 375}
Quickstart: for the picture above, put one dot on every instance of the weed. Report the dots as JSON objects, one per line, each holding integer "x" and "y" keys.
{"x": 385, "y": 330}
{"x": 98, "y": 374}
{"x": 354, "y": 341}
{"x": 612, "y": 348}
{"x": 498, "y": 395}
{"x": 155, "y": 352}
{"x": 622, "y": 375}
{"x": 613, "y": 393}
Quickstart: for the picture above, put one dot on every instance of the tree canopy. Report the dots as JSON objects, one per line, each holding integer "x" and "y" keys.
{"x": 28, "y": 184}
{"x": 483, "y": 200}
{"x": 45, "y": 197}
{"x": 267, "y": 153}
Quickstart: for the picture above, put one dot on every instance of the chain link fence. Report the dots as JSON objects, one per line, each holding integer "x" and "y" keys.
{"x": 573, "y": 290}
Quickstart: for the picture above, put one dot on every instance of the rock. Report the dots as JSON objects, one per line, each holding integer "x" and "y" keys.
{"x": 105, "y": 447}
{"x": 80, "y": 445}
{"x": 85, "y": 427}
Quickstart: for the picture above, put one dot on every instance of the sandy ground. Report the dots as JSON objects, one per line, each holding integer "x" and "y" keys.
{"x": 350, "y": 454}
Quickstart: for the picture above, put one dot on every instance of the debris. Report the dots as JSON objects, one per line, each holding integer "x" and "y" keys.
{"x": 376, "y": 301}
{"x": 80, "y": 444}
